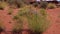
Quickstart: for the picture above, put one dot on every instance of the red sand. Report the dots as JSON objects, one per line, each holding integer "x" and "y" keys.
{"x": 7, "y": 18}
{"x": 55, "y": 21}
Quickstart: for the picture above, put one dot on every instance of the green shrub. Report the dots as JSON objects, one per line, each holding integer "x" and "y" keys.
{"x": 51, "y": 6}
{"x": 17, "y": 25}
{"x": 19, "y": 19}
{"x": 3, "y": 5}
{"x": 43, "y": 12}
{"x": 16, "y": 3}
{"x": 36, "y": 22}
{"x": 43, "y": 4}
{"x": 23, "y": 10}
{"x": 10, "y": 11}
{"x": 15, "y": 17}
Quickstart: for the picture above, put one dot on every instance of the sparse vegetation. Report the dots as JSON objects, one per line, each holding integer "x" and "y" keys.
{"x": 43, "y": 5}
{"x": 17, "y": 3}
{"x": 1, "y": 27}
{"x": 15, "y": 17}
{"x": 37, "y": 23}
{"x": 18, "y": 21}
{"x": 43, "y": 12}
{"x": 19, "y": 18}
{"x": 3, "y": 5}
{"x": 10, "y": 11}
{"x": 51, "y": 6}
{"x": 18, "y": 25}
{"x": 1, "y": 24}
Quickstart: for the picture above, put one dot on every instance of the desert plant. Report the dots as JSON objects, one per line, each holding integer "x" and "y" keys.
{"x": 36, "y": 22}
{"x": 16, "y": 17}
{"x": 3, "y": 5}
{"x": 23, "y": 10}
{"x": 51, "y": 6}
{"x": 43, "y": 4}
{"x": 18, "y": 25}
{"x": 19, "y": 18}
{"x": 1, "y": 27}
{"x": 17, "y": 28}
{"x": 43, "y": 12}
{"x": 10, "y": 10}
{"x": 17, "y": 3}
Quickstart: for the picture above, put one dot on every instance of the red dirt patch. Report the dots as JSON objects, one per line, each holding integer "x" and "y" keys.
{"x": 55, "y": 21}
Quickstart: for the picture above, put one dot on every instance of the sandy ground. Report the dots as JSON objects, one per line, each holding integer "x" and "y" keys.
{"x": 55, "y": 21}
